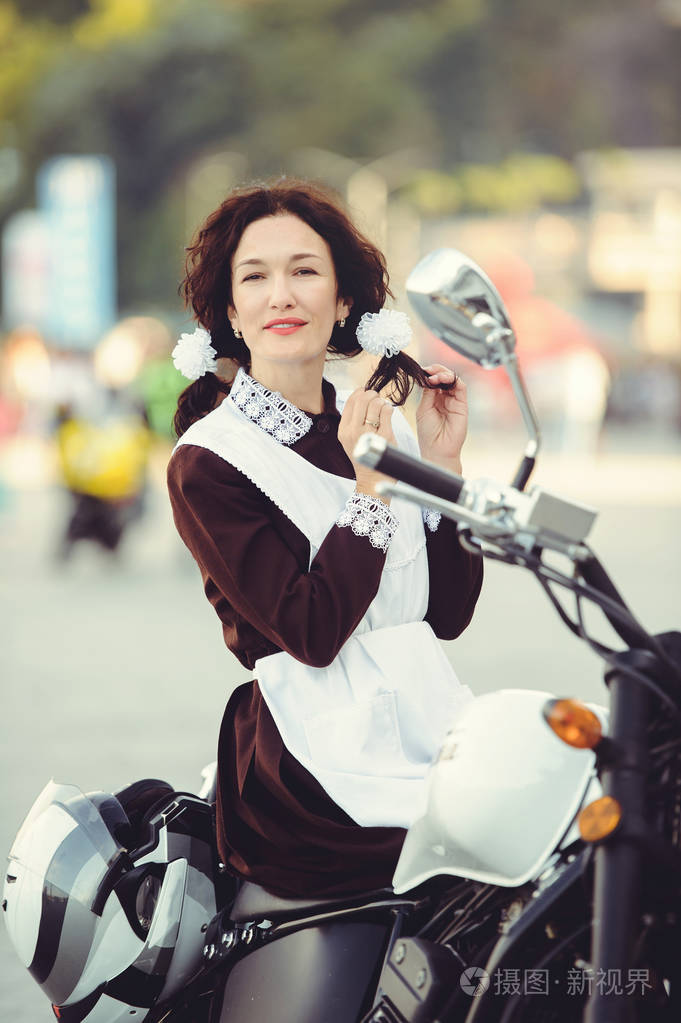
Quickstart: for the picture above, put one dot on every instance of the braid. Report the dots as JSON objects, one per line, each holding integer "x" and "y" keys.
{"x": 197, "y": 400}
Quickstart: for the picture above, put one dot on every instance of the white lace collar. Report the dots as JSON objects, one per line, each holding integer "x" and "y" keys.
{"x": 269, "y": 409}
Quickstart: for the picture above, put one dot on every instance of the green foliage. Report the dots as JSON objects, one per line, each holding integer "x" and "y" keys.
{"x": 520, "y": 182}
{"x": 27, "y": 49}
{"x": 157, "y": 83}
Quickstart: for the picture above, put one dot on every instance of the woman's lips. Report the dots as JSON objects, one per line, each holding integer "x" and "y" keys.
{"x": 286, "y": 326}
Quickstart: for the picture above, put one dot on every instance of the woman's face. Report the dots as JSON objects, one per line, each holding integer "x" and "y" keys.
{"x": 284, "y": 291}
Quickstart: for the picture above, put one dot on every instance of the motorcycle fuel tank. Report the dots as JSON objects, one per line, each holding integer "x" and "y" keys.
{"x": 501, "y": 795}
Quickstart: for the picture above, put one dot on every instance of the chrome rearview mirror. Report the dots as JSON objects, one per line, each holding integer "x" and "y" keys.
{"x": 461, "y": 306}
{"x": 457, "y": 301}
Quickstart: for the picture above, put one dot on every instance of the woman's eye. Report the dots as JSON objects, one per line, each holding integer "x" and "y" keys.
{"x": 305, "y": 270}
{"x": 253, "y": 277}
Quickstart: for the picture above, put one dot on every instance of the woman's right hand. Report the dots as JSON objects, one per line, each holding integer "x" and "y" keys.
{"x": 362, "y": 410}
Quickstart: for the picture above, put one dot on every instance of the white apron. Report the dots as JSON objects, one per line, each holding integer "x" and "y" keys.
{"x": 368, "y": 725}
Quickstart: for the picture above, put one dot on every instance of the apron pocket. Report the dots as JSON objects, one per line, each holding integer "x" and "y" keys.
{"x": 360, "y": 738}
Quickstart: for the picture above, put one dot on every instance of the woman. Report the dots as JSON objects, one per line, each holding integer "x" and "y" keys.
{"x": 332, "y": 594}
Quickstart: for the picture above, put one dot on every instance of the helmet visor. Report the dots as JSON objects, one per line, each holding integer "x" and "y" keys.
{"x": 64, "y": 845}
{"x": 58, "y": 811}
{"x": 60, "y": 866}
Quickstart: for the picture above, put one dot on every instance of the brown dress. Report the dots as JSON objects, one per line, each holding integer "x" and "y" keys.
{"x": 276, "y": 824}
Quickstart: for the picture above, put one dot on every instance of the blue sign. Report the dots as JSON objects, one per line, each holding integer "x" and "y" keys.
{"x": 25, "y": 271}
{"x": 76, "y": 194}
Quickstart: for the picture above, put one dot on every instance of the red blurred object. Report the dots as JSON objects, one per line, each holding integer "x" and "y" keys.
{"x": 547, "y": 338}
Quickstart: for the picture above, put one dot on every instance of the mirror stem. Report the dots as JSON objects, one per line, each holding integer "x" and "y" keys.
{"x": 510, "y": 363}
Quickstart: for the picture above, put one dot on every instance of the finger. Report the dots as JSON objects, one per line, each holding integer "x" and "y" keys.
{"x": 373, "y": 410}
{"x": 443, "y": 381}
{"x": 355, "y": 407}
{"x": 457, "y": 392}
{"x": 354, "y": 401}
{"x": 364, "y": 404}
{"x": 437, "y": 367}
{"x": 383, "y": 416}
{"x": 429, "y": 397}
{"x": 440, "y": 376}
{"x": 385, "y": 419}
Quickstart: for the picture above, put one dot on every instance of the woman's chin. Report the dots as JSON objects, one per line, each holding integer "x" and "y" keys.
{"x": 291, "y": 354}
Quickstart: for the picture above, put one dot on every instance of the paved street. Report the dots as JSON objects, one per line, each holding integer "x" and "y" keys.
{"x": 115, "y": 671}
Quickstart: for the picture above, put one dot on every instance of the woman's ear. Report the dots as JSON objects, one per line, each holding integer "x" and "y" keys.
{"x": 343, "y": 307}
{"x": 232, "y": 317}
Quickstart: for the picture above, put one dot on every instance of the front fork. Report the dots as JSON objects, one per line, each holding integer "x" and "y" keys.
{"x": 618, "y": 863}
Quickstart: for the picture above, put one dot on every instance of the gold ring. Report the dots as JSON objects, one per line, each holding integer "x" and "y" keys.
{"x": 367, "y": 422}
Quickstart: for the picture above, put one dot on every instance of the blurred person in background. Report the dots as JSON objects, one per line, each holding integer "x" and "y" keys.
{"x": 157, "y": 384}
{"x": 102, "y": 457}
{"x": 25, "y": 412}
{"x": 332, "y": 594}
{"x": 103, "y": 442}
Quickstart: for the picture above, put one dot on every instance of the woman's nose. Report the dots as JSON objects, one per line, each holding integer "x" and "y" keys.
{"x": 281, "y": 294}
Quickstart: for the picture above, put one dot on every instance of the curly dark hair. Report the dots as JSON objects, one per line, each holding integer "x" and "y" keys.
{"x": 207, "y": 285}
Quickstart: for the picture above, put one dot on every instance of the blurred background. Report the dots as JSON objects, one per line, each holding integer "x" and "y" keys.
{"x": 543, "y": 140}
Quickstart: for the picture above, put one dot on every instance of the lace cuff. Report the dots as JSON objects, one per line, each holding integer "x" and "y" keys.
{"x": 367, "y": 516}
{"x": 431, "y": 518}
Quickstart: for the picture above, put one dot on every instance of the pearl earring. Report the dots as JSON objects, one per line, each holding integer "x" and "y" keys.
{"x": 237, "y": 333}
{"x": 341, "y": 322}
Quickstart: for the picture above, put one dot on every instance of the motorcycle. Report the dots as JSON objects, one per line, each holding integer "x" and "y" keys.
{"x": 548, "y": 893}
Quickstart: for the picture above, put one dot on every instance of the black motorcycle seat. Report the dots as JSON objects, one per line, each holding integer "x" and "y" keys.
{"x": 256, "y": 903}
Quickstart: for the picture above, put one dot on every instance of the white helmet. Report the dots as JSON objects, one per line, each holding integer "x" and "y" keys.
{"x": 106, "y": 907}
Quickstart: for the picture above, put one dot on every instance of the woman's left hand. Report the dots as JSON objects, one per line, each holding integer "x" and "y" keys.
{"x": 442, "y": 419}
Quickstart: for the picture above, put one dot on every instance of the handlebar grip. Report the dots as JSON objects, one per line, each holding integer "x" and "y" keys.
{"x": 376, "y": 453}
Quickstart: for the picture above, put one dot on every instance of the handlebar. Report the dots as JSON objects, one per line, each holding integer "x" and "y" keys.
{"x": 504, "y": 515}
{"x": 375, "y": 452}
{"x": 531, "y": 519}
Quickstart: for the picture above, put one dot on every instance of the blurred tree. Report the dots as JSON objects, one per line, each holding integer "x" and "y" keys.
{"x": 26, "y": 51}
{"x": 342, "y": 81}
{"x": 158, "y": 83}
{"x": 57, "y": 11}
{"x": 152, "y": 99}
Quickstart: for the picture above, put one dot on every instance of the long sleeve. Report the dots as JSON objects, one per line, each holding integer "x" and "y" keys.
{"x": 235, "y": 535}
{"x": 455, "y": 581}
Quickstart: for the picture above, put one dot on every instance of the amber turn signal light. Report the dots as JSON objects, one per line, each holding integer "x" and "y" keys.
{"x": 599, "y": 819}
{"x": 574, "y": 723}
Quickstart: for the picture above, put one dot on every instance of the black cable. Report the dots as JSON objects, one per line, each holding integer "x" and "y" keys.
{"x": 448, "y": 906}
{"x": 471, "y": 914}
{"x": 628, "y": 619}
{"x": 670, "y": 746}
{"x": 471, "y": 543}
{"x": 518, "y": 1001}
{"x": 572, "y": 626}
{"x": 519, "y": 556}
{"x": 473, "y": 904}
{"x": 605, "y": 603}
{"x": 595, "y": 596}
{"x": 545, "y": 574}
{"x": 611, "y": 657}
